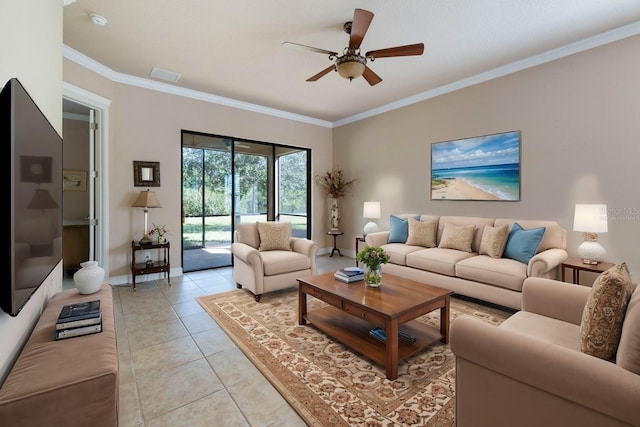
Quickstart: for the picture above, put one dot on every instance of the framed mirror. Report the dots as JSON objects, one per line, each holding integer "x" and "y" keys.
{"x": 146, "y": 174}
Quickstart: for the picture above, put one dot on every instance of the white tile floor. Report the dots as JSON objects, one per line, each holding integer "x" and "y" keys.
{"x": 178, "y": 368}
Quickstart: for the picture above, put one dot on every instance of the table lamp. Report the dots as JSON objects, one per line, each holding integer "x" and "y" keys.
{"x": 371, "y": 211}
{"x": 591, "y": 220}
{"x": 146, "y": 199}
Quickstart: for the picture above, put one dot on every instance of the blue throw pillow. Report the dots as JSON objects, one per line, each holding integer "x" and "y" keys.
{"x": 399, "y": 229}
{"x": 523, "y": 244}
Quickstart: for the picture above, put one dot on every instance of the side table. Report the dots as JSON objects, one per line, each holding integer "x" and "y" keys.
{"x": 335, "y": 234}
{"x": 576, "y": 265}
{"x": 158, "y": 266}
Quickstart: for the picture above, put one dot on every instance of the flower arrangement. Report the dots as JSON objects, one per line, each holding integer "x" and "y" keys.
{"x": 160, "y": 231}
{"x": 373, "y": 257}
{"x": 334, "y": 183}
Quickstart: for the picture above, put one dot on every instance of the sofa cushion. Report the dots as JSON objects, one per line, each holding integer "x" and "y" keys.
{"x": 523, "y": 244}
{"x": 554, "y": 236}
{"x": 503, "y": 272}
{"x": 278, "y": 262}
{"x": 274, "y": 236}
{"x": 247, "y": 233}
{"x": 437, "y": 260}
{"x": 628, "y": 356}
{"x": 399, "y": 229}
{"x": 398, "y": 252}
{"x": 547, "y": 329}
{"x": 494, "y": 239}
{"x": 604, "y": 312}
{"x": 422, "y": 233}
{"x": 457, "y": 237}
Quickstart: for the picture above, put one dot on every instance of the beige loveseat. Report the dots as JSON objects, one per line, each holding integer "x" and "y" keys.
{"x": 530, "y": 371}
{"x": 272, "y": 260}
{"x": 467, "y": 272}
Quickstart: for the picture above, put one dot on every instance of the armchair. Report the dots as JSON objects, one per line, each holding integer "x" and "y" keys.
{"x": 267, "y": 258}
{"x": 530, "y": 370}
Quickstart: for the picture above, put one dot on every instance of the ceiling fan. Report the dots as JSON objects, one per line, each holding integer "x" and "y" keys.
{"x": 352, "y": 64}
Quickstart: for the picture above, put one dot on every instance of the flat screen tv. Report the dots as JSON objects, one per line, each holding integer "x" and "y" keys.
{"x": 33, "y": 160}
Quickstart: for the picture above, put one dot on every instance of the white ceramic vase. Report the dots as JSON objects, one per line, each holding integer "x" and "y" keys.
{"x": 89, "y": 278}
{"x": 335, "y": 215}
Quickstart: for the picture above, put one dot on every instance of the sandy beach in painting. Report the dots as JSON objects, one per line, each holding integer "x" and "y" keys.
{"x": 458, "y": 189}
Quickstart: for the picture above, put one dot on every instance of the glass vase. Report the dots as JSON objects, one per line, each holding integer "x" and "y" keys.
{"x": 373, "y": 276}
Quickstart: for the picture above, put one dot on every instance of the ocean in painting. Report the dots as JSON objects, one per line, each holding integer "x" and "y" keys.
{"x": 502, "y": 181}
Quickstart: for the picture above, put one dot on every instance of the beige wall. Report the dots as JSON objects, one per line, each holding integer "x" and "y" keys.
{"x": 31, "y": 46}
{"x": 580, "y": 123}
{"x": 145, "y": 125}
{"x": 578, "y": 118}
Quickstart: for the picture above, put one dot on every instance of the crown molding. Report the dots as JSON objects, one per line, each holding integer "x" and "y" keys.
{"x": 551, "y": 55}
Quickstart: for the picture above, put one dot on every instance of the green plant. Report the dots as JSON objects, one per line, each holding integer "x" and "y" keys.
{"x": 373, "y": 257}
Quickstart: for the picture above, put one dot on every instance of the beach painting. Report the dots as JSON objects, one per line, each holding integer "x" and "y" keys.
{"x": 479, "y": 168}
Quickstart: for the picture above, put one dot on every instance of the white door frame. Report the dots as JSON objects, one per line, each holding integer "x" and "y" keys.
{"x": 100, "y": 174}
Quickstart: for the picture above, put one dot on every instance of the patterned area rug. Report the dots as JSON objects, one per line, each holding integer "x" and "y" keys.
{"x": 327, "y": 383}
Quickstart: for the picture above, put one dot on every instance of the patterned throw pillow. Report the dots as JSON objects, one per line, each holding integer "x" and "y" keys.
{"x": 274, "y": 236}
{"x": 422, "y": 233}
{"x": 457, "y": 237}
{"x": 494, "y": 239}
{"x": 604, "y": 312}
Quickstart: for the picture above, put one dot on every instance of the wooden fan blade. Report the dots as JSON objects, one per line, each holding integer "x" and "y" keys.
{"x": 359, "y": 26}
{"x": 321, "y": 73}
{"x": 371, "y": 77}
{"x": 408, "y": 50}
{"x": 312, "y": 49}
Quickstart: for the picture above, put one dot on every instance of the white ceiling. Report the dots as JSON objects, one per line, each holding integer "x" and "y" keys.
{"x": 232, "y": 49}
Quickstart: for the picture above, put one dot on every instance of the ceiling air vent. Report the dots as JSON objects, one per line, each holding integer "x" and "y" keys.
{"x": 169, "y": 76}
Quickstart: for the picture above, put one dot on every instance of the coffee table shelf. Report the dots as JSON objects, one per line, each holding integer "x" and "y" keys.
{"x": 354, "y": 333}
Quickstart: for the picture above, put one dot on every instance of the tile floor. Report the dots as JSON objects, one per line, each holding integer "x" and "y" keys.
{"x": 178, "y": 368}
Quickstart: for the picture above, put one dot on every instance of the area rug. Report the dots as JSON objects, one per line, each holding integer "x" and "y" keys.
{"x": 329, "y": 384}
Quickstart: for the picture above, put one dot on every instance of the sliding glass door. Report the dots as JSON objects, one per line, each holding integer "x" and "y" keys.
{"x": 226, "y": 181}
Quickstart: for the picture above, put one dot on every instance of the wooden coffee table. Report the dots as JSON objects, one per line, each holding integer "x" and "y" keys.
{"x": 354, "y": 309}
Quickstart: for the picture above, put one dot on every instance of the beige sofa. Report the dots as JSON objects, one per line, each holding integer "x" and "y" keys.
{"x": 263, "y": 269}
{"x": 530, "y": 371}
{"x": 496, "y": 280}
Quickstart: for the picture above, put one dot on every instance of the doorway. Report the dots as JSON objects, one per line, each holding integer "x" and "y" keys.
{"x": 85, "y": 208}
{"x": 226, "y": 181}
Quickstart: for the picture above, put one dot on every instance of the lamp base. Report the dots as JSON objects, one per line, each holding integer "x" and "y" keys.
{"x": 145, "y": 240}
{"x": 591, "y": 251}
{"x": 370, "y": 227}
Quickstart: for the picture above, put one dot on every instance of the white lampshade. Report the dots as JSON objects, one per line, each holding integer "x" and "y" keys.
{"x": 591, "y": 220}
{"x": 371, "y": 211}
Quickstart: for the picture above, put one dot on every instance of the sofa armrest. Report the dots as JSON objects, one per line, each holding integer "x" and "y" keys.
{"x": 555, "y": 299}
{"x": 306, "y": 247}
{"x": 378, "y": 238}
{"x": 247, "y": 254}
{"x": 546, "y": 261}
{"x": 553, "y": 370}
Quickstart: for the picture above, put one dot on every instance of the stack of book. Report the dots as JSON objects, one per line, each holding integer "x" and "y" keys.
{"x": 349, "y": 274}
{"x": 380, "y": 334}
{"x": 78, "y": 319}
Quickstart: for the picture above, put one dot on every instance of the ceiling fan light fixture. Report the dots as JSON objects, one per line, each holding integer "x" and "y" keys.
{"x": 351, "y": 66}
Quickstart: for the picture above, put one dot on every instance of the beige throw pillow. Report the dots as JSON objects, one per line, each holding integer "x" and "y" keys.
{"x": 274, "y": 236}
{"x": 422, "y": 233}
{"x": 604, "y": 312}
{"x": 494, "y": 239}
{"x": 457, "y": 237}
{"x": 629, "y": 347}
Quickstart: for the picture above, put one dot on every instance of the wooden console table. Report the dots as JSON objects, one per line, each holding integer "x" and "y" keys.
{"x": 158, "y": 266}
